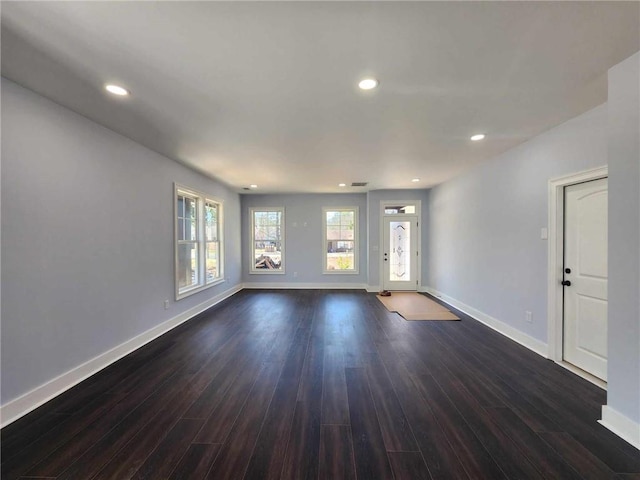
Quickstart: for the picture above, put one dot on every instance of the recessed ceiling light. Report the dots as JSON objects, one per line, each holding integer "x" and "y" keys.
{"x": 368, "y": 83}
{"x": 342, "y": 184}
{"x": 479, "y": 136}
{"x": 253, "y": 185}
{"x": 415, "y": 180}
{"x": 117, "y": 90}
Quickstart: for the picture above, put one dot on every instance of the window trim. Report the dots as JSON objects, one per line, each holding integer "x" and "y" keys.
{"x": 201, "y": 242}
{"x": 356, "y": 240}
{"x": 252, "y": 261}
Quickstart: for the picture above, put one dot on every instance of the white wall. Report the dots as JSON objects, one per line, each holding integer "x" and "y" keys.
{"x": 87, "y": 239}
{"x": 303, "y": 238}
{"x": 484, "y": 244}
{"x": 484, "y": 241}
{"x": 624, "y": 239}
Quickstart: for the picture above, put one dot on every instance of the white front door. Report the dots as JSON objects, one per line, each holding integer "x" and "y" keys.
{"x": 585, "y": 277}
{"x": 400, "y": 252}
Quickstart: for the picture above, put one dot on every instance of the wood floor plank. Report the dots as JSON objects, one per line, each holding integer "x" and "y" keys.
{"x": 335, "y": 407}
{"x": 219, "y": 424}
{"x": 301, "y": 458}
{"x": 441, "y": 459}
{"x": 408, "y": 466}
{"x": 102, "y": 382}
{"x": 74, "y": 448}
{"x": 501, "y": 448}
{"x": 336, "y": 453}
{"x": 217, "y": 389}
{"x": 105, "y": 447}
{"x": 263, "y": 370}
{"x": 582, "y": 461}
{"x": 368, "y": 446}
{"x": 548, "y": 462}
{"x": 592, "y": 436}
{"x": 268, "y": 454}
{"x": 136, "y": 451}
{"x": 313, "y": 369}
{"x": 459, "y": 348}
{"x": 472, "y": 454}
{"x": 195, "y": 464}
{"x": 20, "y": 434}
{"x": 234, "y": 456}
{"x": 396, "y": 431}
{"x": 68, "y": 426}
{"x": 167, "y": 455}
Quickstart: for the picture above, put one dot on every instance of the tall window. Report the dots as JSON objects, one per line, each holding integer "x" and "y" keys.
{"x": 198, "y": 242}
{"x": 267, "y": 240}
{"x": 340, "y": 226}
{"x": 212, "y": 239}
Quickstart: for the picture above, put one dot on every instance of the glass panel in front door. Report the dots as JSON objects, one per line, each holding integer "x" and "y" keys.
{"x": 400, "y": 243}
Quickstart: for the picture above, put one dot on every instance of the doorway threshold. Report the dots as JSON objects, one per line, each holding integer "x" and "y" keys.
{"x": 598, "y": 382}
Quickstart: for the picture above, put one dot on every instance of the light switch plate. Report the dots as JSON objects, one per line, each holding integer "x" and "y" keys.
{"x": 544, "y": 233}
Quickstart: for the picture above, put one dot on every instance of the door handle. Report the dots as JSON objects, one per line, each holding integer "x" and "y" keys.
{"x": 566, "y": 283}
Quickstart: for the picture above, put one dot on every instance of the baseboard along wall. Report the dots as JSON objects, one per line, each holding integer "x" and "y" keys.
{"x": 499, "y": 326}
{"x": 619, "y": 424}
{"x": 304, "y": 286}
{"x": 18, "y": 407}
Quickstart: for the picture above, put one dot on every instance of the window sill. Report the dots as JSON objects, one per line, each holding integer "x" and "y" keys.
{"x": 198, "y": 289}
{"x": 267, "y": 272}
{"x": 340, "y": 272}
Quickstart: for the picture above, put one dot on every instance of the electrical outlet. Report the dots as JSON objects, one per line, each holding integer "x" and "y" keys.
{"x": 528, "y": 316}
{"x": 295, "y": 274}
{"x": 166, "y": 304}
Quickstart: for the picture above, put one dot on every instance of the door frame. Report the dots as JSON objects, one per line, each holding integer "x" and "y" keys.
{"x": 418, "y": 204}
{"x": 555, "y": 306}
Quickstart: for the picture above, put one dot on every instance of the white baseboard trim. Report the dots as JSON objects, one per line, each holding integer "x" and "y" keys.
{"x": 621, "y": 425}
{"x": 373, "y": 288}
{"x": 305, "y": 286}
{"x": 507, "y": 330}
{"x": 14, "y": 409}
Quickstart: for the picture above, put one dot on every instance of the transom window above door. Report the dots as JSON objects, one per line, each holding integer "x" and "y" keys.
{"x": 400, "y": 209}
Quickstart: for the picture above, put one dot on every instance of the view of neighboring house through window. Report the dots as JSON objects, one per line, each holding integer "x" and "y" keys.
{"x": 340, "y": 240}
{"x": 267, "y": 240}
{"x": 198, "y": 242}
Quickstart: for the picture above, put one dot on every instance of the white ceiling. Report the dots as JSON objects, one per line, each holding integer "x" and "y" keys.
{"x": 266, "y": 92}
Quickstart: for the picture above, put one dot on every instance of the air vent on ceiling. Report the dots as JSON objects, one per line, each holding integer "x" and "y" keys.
{"x": 359, "y": 184}
{"x": 246, "y": 188}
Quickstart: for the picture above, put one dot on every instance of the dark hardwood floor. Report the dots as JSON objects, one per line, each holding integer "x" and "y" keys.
{"x": 322, "y": 384}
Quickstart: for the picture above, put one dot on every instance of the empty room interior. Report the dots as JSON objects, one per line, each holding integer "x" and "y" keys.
{"x": 329, "y": 240}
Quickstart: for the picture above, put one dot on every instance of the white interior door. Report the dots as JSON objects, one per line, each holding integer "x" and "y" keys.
{"x": 585, "y": 277}
{"x": 400, "y": 252}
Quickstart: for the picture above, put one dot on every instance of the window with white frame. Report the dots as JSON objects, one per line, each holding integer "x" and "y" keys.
{"x": 198, "y": 241}
{"x": 340, "y": 227}
{"x": 267, "y": 240}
